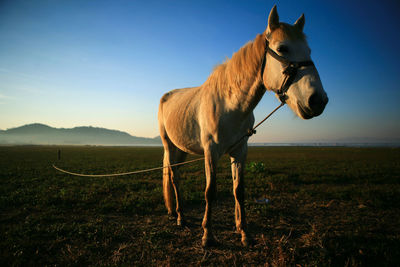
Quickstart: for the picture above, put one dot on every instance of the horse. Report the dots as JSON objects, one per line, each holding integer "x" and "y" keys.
{"x": 211, "y": 118}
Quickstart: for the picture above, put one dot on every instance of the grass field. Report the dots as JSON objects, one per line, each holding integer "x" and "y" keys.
{"x": 327, "y": 207}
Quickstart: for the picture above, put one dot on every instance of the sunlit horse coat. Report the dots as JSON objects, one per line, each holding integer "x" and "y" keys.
{"x": 210, "y": 118}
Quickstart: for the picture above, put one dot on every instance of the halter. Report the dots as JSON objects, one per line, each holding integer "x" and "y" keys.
{"x": 290, "y": 70}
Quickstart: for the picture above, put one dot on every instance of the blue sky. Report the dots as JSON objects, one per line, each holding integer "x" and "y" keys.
{"x": 107, "y": 63}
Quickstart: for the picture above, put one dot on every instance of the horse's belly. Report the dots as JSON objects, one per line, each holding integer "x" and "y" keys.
{"x": 191, "y": 148}
{"x": 186, "y": 136}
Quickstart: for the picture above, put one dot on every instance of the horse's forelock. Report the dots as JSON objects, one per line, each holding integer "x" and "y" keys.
{"x": 286, "y": 32}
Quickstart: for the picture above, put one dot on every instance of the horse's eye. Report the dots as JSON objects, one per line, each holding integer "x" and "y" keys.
{"x": 283, "y": 49}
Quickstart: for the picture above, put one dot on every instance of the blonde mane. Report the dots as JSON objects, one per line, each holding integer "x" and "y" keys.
{"x": 240, "y": 71}
{"x": 245, "y": 65}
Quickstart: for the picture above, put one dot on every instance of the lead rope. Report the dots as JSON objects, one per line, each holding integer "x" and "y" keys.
{"x": 250, "y": 133}
{"x": 124, "y": 173}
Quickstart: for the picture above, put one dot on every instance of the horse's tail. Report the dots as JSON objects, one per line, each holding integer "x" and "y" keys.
{"x": 168, "y": 190}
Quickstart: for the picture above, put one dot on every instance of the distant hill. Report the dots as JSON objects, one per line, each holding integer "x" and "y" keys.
{"x": 41, "y": 134}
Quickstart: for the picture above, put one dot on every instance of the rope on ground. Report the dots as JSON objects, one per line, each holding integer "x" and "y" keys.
{"x": 250, "y": 133}
{"x": 124, "y": 173}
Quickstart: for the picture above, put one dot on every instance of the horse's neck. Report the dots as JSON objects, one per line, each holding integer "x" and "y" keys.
{"x": 238, "y": 81}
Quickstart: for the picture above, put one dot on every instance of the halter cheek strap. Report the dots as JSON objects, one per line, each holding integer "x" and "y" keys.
{"x": 289, "y": 72}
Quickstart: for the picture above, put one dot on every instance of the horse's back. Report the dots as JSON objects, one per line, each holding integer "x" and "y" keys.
{"x": 178, "y": 99}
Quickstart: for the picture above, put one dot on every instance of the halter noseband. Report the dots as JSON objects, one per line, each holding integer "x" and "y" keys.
{"x": 290, "y": 70}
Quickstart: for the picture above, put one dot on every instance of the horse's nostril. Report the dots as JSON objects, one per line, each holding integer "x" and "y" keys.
{"x": 315, "y": 101}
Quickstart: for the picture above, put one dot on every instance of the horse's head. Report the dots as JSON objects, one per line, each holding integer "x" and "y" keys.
{"x": 287, "y": 43}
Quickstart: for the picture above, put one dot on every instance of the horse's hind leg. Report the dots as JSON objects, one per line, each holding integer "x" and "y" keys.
{"x": 172, "y": 155}
{"x": 210, "y": 163}
{"x": 238, "y": 158}
{"x": 179, "y": 156}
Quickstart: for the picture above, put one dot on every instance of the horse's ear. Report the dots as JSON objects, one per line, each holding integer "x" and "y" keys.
{"x": 300, "y": 22}
{"x": 273, "y": 20}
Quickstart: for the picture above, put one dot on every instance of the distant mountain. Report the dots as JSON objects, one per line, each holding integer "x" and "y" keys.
{"x": 41, "y": 134}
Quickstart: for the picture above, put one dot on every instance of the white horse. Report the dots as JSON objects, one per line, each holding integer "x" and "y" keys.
{"x": 211, "y": 118}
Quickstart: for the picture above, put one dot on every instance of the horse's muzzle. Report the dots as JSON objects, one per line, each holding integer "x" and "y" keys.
{"x": 316, "y": 105}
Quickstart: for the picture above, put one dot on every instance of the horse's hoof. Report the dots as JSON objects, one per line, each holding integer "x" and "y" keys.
{"x": 209, "y": 242}
{"x": 172, "y": 216}
{"x": 246, "y": 241}
{"x": 180, "y": 222}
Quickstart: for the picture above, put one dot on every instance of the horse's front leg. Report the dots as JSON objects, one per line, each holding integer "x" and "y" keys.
{"x": 238, "y": 158}
{"x": 210, "y": 192}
